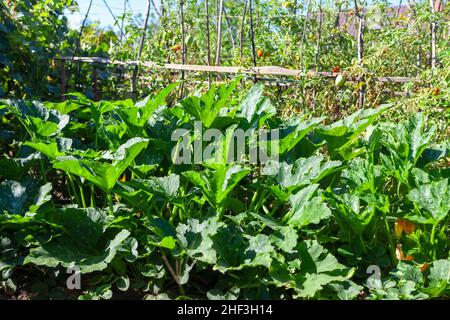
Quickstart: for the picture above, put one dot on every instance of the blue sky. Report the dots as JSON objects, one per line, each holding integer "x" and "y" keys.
{"x": 99, "y": 11}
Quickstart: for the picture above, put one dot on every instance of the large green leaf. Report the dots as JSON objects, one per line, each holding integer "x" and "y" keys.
{"x": 292, "y": 132}
{"x": 39, "y": 121}
{"x": 405, "y": 142}
{"x": 341, "y": 136}
{"x": 434, "y": 198}
{"x": 439, "y": 278}
{"x": 69, "y": 254}
{"x": 12, "y": 196}
{"x": 136, "y": 116}
{"x": 351, "y": 213}
{"x": 216, "y": 184}
{"x": 207, "y": 107}
{"x": 306, "y": 209}
{"x": 362, "y": 175}
{"x": 19, "y": 198}
{"x": 83, "y": 242}
{"x": 104, "y": 175}
{"x": 195, "y": 238}
{"x": 236, "y": 251}
{"x": 309, "y": 270}
{"x": 163, "y": 187}
{"x": 53, "y": 149}
{"x": 255, "y": 107}
{"x": 303, "y": 172}
{"x": 318, "y": 267}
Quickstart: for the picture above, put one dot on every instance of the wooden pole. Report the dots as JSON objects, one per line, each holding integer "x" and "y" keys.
{"x": 77, "y": 46}
{"x": 78, "y": 42}
{"x": 183, "y": 46}
{"x": 230, "y": 27}
{"x": 302, "y": 45}
{"x": 123, "y": 20}
{"x": 359, "y": 15}
{"x": 262, "y": 70}
{"x": 241, "y": 45}
{"x": 252, "y": 35}
{"x": 208, "y": 41}
{"x": 319, "y": 36}
{"x": 219, "y": 32}
{"x": 433, "y": 34}
{"x": 141, "y": 47}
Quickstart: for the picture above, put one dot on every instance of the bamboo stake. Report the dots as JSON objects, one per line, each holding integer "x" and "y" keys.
{"x": 302, "y": 45}
{"x": 319, "y": 36}
{"x": 231, "y": 29}
{"x": 141, "y": 47}
{"x": 219, "y": 33}
{"x": 183, "y": 46}
{"x": 433, "y": 35}
{"x": 242, "y": 28}
{"x": 360, "y": 49}
{"x": 397, "y": 13}
{"x": 208, "y": 40}
{"x": 156, "y": 9}
{"x": 77, "y": 45}
{"x": 263, "y": 70}
{"x": 252, "y": 35}
{"x": 123, "y": 20}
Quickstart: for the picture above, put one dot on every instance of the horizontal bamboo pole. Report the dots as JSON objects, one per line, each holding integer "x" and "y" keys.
{"x": 266, "y": 70}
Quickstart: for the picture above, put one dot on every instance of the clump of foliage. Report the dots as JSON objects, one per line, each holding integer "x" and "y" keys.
{"x": 92, "y": 185}
{"x": 31, "y": 32}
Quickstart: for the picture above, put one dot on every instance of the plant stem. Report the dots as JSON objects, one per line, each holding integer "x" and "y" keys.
{"x": 263, "y": 199}
{"x": 92, "y": 196}
{"x": 362, "y": 243}
{"x": 110, "y": 203}
{"x": 275, "y": 207}
{"x": 433, "y": 233}
{"x": 44, "y": 176}
{"x": 255, "y": 195}
{"x": 73, "y": 189}
{"x": 83, "y": 200}
{"x": 172, "y": 272}
{"x": 389, "y": 236}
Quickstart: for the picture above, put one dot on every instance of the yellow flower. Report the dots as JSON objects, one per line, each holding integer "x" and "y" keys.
{"x": 404, "y": 225}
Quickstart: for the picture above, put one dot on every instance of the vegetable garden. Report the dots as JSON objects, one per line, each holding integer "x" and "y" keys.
{"x": 119, "y": 171}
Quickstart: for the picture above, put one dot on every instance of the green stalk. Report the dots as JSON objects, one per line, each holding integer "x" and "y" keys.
{"x": 43, "y": 173}
{"x": 160, "y": 212}
{"x": 263, "y": 199}
{"x": 391, "y": 242}
{"x": 69, "y": 191}
{"x": 221, "y": 211}
{"x": 83, "y": 200}
{"x": 73, "y": 189}
{"x": 433, "y": 233}
{"x": 174, "y": 212}
{"x": 92, "y": 195}
{"x": 110, "y": 203}
{"x": 362, "y": 243}
{"x": 255, "y": 195}
{"x": 275, "y": 207}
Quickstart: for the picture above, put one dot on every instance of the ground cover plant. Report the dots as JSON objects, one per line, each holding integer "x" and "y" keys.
{"x": 355, "y": 208}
